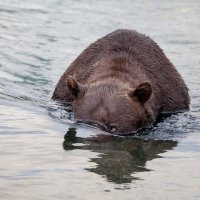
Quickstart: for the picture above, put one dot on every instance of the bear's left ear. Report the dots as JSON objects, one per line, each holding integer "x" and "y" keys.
{"x": 142, "y": 92}
{"x": 76, "y": 89}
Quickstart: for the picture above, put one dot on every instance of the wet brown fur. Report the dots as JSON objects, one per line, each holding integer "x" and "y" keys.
{"x": 113, "y": 67}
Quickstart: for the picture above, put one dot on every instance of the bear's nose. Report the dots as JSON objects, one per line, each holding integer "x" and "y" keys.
{"x": 111, "y": 128}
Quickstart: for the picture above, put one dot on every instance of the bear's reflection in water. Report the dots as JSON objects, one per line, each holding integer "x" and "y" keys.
{"x": 120, "y": 157}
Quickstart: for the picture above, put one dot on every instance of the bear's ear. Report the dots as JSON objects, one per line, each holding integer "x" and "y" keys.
{"x": 76, "y": 89}
{"x": 142, "y": 92}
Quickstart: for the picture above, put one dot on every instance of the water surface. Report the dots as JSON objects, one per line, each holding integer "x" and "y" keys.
{"x": 44, "y": 155}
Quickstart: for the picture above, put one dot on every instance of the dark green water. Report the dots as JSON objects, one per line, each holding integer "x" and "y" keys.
{"x": 44, "y": 155}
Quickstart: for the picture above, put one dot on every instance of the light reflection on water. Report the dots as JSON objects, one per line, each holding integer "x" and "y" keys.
{"x": 38, "y": 39}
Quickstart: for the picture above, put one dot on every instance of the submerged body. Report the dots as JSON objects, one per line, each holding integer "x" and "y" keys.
{"x": 122, "y": 82}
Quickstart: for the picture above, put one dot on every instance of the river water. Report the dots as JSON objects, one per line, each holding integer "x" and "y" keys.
{"x": 43, "y": 154}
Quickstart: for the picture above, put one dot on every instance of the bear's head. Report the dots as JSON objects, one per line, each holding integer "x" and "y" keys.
{"x": 112, "y": 105}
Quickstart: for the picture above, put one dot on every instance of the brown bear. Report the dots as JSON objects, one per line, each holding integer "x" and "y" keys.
{"x": 122, "y": 83}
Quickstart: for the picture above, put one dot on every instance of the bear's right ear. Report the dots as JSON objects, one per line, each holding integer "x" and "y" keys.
{"x": 76, "y": 89}
{"x": 142, "y": 92}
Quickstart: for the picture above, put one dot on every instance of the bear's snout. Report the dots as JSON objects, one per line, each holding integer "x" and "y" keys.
{"x": 111, "y": 128}
{"x": 108, "y": 127}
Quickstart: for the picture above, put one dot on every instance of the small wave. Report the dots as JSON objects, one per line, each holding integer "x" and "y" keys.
{"x": 23, "y": 8}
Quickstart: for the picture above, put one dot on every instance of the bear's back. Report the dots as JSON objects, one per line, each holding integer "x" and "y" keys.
{"x": 136, "y": 46}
